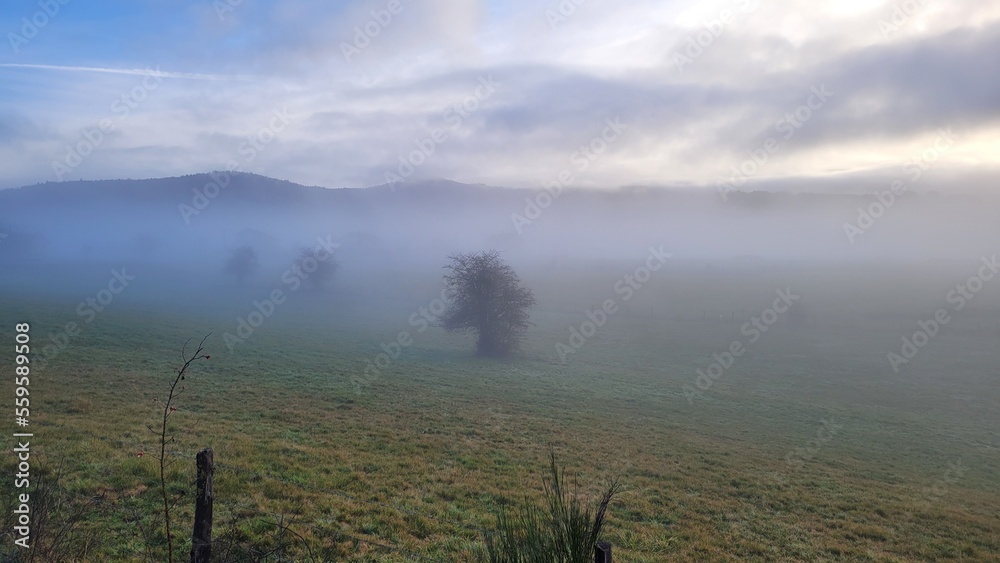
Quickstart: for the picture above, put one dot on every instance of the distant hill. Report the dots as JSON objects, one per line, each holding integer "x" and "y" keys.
{"x": 193, "y": 215}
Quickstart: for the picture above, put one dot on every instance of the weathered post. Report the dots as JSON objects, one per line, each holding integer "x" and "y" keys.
{"x": 201, "y": 541}
{"x": 602, "y": 552}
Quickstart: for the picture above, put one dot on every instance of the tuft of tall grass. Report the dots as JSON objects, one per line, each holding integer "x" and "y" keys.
{"x": 564, "y": 531}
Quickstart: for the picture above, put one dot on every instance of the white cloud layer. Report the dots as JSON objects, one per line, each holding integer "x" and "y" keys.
{"x": 701, "y": 86}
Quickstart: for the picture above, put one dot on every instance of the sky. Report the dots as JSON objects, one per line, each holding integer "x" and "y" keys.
{"x": 727, "y": 95}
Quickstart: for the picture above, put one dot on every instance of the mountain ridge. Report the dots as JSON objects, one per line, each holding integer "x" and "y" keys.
{"x": 256, "y": 186}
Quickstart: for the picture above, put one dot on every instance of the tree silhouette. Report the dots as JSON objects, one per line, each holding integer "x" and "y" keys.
{"x": 485, "y": 295}
{"x": 242, "y": 263}
{"x": 317, "y": 270}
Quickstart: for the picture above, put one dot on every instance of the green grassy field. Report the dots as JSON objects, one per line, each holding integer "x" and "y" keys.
{"x": 748, "y": 469}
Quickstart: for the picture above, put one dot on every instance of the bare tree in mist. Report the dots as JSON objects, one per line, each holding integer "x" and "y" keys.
{"x": 318, "y": 271}
{"x": 486, "y": 296}
{"x": 242, "y": 263}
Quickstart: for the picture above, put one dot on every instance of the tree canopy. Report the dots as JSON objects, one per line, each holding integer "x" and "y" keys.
{"x": 242, "y": 263}
{"x": 486, "y": 296}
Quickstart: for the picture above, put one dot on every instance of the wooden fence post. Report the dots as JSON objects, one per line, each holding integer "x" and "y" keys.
{"x": 201, "y": 541}
{"x": 602, "y": 552}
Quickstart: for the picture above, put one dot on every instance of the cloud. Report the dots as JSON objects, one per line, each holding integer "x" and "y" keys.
{"x": 558, "y": 84}
{"x": 131, "y": 71}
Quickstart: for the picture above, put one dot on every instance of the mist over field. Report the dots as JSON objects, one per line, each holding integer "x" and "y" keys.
{"x": 180, "y": 238}
{"x": 160, "y": 221}
{"x": 500, "y": 282}
{"x": 391, "y": 242}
